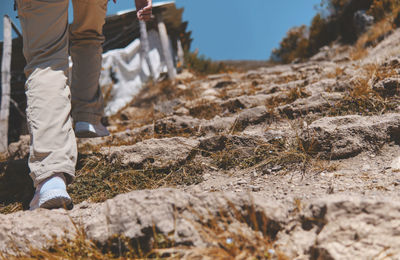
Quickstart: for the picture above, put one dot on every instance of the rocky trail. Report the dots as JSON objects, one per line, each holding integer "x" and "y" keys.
{"x": 297, "y": 161}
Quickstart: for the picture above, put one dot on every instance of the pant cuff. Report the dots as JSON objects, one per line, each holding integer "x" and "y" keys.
{"x": 38, "y": 178}
{"x": 86, "y": 117}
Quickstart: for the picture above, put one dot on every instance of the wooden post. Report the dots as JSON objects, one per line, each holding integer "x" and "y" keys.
{"x": 144, "y": 41}
{"x": 5, "y": 84}
{"x": 166, "y": 47}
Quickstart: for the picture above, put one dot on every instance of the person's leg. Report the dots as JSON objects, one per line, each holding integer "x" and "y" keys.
{"x": 53, "y": 146}
{"x": 86, "y": 38}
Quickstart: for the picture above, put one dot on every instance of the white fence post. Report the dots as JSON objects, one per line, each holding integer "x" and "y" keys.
{"x": 181, "y": 54}
{"x": 5, "y": 84}
{"x": 166, "y": 47}
{"x": 144, "y": 41}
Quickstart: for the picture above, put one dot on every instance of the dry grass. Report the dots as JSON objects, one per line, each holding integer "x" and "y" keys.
{"x": 98, "y": 180}
{"x": 287, "y": 78}
{"x": 288, "y": 154}
{"x": 3, "y": 157}
{"x": 106, "y": 91}
{"x": 205, "y": 109}
{"x": 288, "y": 97}
{"x": 10, "y": 208}
{"x": 296, "y": 93}
{"x": 238, "y": 89}
{"x": 241, "y": 233}
{"x": 337, "y": 74}
{"x": 362, "y": 99}
{"x": 372, "y": 37}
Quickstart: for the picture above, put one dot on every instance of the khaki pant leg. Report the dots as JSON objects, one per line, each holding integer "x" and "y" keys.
{"x": 86, "y": 38}
{"x": 45, "y": 31}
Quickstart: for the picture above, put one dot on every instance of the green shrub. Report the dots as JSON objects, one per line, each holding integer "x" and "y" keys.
{"x": 201, "y": 65}
{"x": 322, "y": 32}
{"x": 294, "y": 45}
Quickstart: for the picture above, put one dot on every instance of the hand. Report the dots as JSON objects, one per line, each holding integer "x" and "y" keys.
{"x": 143, "y": 9}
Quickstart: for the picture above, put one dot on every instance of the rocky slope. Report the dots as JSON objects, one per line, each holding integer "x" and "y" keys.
{"x": 297, "y": 161}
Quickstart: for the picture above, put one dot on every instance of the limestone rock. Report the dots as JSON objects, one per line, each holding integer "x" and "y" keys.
{"x": 395, "y": 165}
{"x": 345, "y": 136}
{"x": 331, "y": 227}
{"x": 182, "y": 111}
{"x": 251, "y": 116}
{"x": 130, "y": 113}
{"x": 20, "y": 149}
{"x": 224, "y": 83}
{"x": 161, "y": 153}
{"x": 221, "y": 76}
{"x": 184, "y": 75}
{"x": 217, "y": 125}
{"x": 386, "y": 49}
{"x": 219, "y": 143}
{"x": 358, "y": 229}
{"x": 388, "y": 87}
{"x": 245, "y": 101}
{"x": 315, "y": 104}
{"x": 343, "y": 227}
{"x": 177, "y": 124}
{"x": 35, "y": 228}
{"x": 320, "y": 86}
{"x": 135, "y": 215}
{"x": 323, "y": 54}
{"x": 167, "y": 107}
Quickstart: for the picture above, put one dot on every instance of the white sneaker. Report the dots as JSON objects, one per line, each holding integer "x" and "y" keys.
{"x": 51, "y": 194}
{"x": 88, "y": 130}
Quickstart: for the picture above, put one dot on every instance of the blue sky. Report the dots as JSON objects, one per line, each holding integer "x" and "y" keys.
{"x": 228, "y": 29}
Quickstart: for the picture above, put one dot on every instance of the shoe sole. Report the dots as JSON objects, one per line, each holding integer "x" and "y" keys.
{"x": 58, "y": 203}
{"x": 54, "y": 199}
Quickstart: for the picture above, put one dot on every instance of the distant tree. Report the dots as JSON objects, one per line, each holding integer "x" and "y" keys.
{"x": 379, "y": 8}
{"x": 334, "y": 21}
{"x": 333, "y": 7}
{"x": 294, "y": 45}
{"x": 322, "y": 32}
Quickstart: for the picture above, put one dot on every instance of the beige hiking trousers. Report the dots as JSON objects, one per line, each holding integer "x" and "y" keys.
{"x": 47, "y": 41}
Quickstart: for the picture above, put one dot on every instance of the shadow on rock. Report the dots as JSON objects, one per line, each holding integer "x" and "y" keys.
{"x": 15, "y": 183}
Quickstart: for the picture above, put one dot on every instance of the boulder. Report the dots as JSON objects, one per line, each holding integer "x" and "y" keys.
{"x": 347, "y": 136}
{"x": 167, "y": 107}
{"x": 387, "y": 87}
{"x": 177, "y": 124}
{"x": 136, "y": 215}
{"x": 20, "y": 149}
{"x": 252, "y": 116}
{"x": 315, "y": 104}
{"x": 160, "y": 153}
{"x": 343, "y": 227}
{"x": 246, "y": 101}
{"x": 331, "y": 227}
